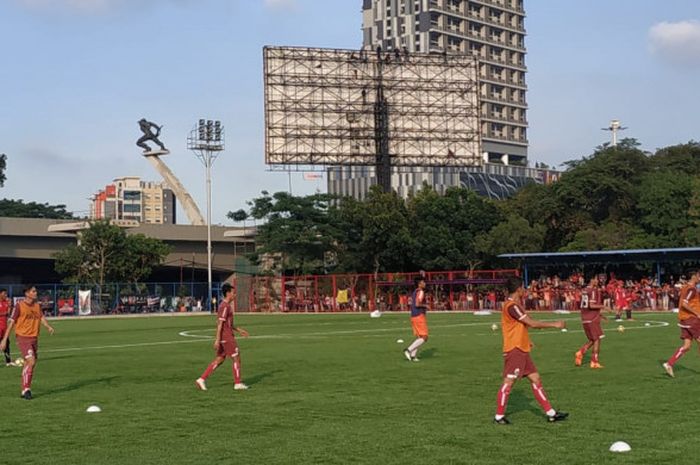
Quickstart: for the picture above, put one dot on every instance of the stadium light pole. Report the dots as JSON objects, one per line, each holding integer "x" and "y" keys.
{"x": 206, "y": 140}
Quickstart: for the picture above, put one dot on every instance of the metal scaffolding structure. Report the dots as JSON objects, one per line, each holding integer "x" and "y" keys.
{"x": 385, "y": 109}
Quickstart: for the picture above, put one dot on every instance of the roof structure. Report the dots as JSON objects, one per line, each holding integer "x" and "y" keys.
{"x": 608, "y": 256}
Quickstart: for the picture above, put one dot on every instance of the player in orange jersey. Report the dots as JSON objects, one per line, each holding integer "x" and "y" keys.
{"x": 516, "y": 352}
{"x": 26, "y": 320}
{"x": 419, "y": 322}
{"x": 688, "y": 319}
{"x": 225, "y": 343}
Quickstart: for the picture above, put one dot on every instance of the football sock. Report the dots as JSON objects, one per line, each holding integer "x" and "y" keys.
{"x": 584, "y": 348}
{"x": 542, "y": 398}
{"x": 594, "y": 357}
{"x": 502, "y": 400}
{"x": 8, "y": 357}
{"x": 210, "y": 369}
{"x": 237, "y": 370}
{"x": 679, "y": 353}
{"x": 27, "y": 373}
{"x": 413, "y": 348}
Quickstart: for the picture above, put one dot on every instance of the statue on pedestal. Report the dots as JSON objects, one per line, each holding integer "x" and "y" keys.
{"x": 151, "y": 132}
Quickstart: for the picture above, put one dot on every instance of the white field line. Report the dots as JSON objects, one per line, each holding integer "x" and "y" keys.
{"x": 193, "y": 338}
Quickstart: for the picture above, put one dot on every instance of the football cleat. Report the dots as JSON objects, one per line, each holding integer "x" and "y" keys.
{"x": 669, "y": 370}
{"x": 240, "y": 386}
{"x": 407, "y": 354}
{"x": 200, "y": 384}
{"x": 578, "y": 359}
{"x": 596, "y": 365}
{"x": 27, "y": 394}
{"x": 501, "y": 421}
{"x": 558, "y": 416}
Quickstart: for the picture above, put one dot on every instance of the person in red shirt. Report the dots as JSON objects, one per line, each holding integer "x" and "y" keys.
{"x": 225, "y": 343}
{"x": 26, "y": 320}
{"x": 4, "y": 313}
{"x": 591, "y": 305}
{"x": 688, "y": 320}
{"x": 516, "y": 353}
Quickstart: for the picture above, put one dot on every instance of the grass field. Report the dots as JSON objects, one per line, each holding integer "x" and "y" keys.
{"x": 335, "y": 389}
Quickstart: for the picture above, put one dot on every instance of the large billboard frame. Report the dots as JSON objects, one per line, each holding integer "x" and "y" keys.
{"x": 330, "y": 107}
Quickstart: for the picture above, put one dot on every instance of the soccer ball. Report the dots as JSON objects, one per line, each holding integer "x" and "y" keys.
{"x": 494, "y": 327}
{"x": 620, "y": 329}
{"x": 19, "y": 362}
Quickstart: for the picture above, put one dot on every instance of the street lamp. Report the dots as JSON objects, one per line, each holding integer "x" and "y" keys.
{"x": 206, "y": 140}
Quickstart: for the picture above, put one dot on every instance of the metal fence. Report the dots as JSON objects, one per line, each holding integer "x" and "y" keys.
{"x": 447, "y": 290}
{"x": 118, "y": 298}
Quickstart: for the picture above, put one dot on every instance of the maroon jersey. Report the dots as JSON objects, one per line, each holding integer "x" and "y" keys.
{"x": 591, "y": 302}
{"x": 4, "y": 311}
{"x": 225, "y": 314}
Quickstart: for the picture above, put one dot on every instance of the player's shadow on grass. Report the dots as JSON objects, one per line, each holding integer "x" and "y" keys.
{"x": 427, "y": 353}
{"x": 77, "y": 385}
{"x": 522, "y": 400}
{"x": 255, "y": 379}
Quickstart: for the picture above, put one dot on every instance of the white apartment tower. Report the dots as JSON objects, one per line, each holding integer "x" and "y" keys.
{"x": 492, "y": 30}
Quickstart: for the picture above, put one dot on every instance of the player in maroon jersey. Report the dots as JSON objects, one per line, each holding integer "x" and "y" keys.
{"x": 4, "y": 314}
{"x": 591, "y": 305}
{"x": 225, "y": 343}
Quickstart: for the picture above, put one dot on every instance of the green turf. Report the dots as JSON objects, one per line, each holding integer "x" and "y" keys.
{"x": 335, "y": 389}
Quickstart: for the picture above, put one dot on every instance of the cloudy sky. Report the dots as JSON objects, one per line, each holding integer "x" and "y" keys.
{"x": 76, "y": 75}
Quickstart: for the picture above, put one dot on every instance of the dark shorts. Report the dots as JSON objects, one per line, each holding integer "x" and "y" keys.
{"x": 593, "y": 331}
{"x": 517, "y": 364}
{"x": 690, "y": 328}
{"x": 28, "y": 347}
{"x": 227, "y": 348}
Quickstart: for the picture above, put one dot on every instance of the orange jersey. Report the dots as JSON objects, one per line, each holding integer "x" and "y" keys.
{"x": 691, "y": 298}
{"x": 515, "y": 334}
{"x": 27, "y": 319}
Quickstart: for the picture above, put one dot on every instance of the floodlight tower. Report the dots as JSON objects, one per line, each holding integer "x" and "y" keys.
{"x": 206, "y": 140}
{"x": 614, "y": 127}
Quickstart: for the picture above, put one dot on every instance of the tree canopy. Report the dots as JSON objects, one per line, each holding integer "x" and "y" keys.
{"x": 20, "y": 209}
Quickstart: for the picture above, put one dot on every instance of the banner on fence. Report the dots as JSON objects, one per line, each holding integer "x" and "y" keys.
{"x": 84, "y": 298}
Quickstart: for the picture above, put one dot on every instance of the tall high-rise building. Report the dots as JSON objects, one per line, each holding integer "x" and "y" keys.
{"x": 129, "y": 198}
{"x": 493, "y": 31}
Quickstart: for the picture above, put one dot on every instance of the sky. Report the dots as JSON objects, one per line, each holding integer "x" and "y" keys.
{"x": 77, "y": 75}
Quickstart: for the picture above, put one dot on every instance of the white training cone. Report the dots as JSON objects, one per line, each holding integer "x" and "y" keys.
{"x": 620, "y": 446}
{"x": 93, "y": 409}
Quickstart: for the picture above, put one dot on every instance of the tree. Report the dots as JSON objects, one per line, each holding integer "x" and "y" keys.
{"x": 611, "y": 235}
{"x": 514, "y": 235}
{"x": 374, "y": 234}
{"x": 3, "y": 166}
{"x": 20, "y": 209}
{"x": 106, "y": 253}
{"x": 663, "y": 204}
{"x": 141, "y": 255}
{"x": 682, "y": 157}
{"x": 444, "y": 227}
{"x": 298, "y": 229}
